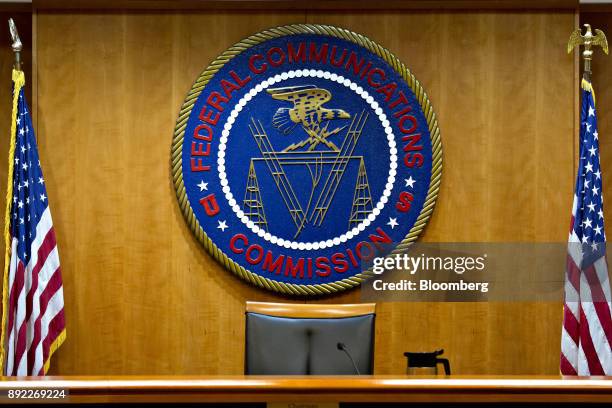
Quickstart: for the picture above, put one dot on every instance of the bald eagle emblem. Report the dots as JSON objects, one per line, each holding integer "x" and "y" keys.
{"x": 309, "y": 112}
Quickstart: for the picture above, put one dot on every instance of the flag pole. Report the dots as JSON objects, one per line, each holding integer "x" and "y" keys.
{"x": 18, "y": 83}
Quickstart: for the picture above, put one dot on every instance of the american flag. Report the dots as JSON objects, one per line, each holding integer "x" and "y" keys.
{"x": 586, "y": 337}
{"x": 34, "y": 311}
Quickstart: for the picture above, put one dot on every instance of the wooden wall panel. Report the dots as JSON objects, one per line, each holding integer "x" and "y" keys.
{"x": 503, "y": 89}
{"x": 144, "y": 298}
{"x": 309, "y": 5}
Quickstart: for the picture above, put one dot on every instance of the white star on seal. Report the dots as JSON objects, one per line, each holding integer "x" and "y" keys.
{"x": 222, "y": 225}
{"x": 392, "y": 222}
{"x": 203, "y": 186}
{"x": 410, "y": 182}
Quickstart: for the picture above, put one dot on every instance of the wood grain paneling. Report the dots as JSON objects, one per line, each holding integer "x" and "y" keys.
{"x": 300, "y": 5}
{"x": 142, "y": 296}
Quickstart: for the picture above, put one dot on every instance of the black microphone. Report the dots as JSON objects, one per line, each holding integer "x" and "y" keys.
{"x": 342, "y": 346}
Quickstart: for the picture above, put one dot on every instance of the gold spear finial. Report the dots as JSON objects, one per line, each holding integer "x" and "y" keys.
{"x": 16, "y": 44}
{"x": 589, "y": 40}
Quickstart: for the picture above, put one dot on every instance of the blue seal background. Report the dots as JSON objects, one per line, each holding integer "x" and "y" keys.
{"x": 262, "y": 108}
{"x": 241, "y": 147}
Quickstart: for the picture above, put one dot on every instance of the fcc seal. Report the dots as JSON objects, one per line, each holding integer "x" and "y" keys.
{"x": 301, "y": 153}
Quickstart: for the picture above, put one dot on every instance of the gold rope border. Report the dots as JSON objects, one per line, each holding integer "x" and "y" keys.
{"x": 18, "y": 83}
{"x": 198, "y": 87}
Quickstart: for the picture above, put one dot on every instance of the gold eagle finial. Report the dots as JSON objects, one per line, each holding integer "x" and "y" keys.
{"x": 588, "y": 39}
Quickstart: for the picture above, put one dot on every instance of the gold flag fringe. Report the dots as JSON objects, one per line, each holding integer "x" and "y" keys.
{"x": 18, "y": 83}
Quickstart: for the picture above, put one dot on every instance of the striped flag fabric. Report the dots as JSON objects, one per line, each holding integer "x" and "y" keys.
{"x": 33, "y": 325}
{"x": 586, "y": 336}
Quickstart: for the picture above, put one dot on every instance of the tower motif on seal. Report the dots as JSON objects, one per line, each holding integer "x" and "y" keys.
{"x": 325, "y": 161}
{"x": 302, "y": 153}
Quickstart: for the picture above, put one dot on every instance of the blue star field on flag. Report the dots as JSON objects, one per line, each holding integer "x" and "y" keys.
{"x": 589, "y": 218}
{"x": 29, "y": 191}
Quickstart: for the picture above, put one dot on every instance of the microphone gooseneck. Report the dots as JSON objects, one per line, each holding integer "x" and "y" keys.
{"x": 342, "y": 347}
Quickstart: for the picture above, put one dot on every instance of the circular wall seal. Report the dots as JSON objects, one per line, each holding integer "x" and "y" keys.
{"x": 303, "y": 152}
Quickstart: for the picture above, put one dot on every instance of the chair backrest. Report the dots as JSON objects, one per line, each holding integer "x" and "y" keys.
{"x": 302, "y": 339}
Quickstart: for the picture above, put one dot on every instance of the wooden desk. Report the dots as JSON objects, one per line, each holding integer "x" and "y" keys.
{"x": 319, "y": 389}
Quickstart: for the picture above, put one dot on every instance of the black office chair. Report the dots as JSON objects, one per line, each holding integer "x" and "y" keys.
{"x": 304, "y": 339}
